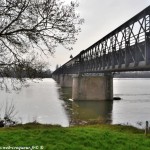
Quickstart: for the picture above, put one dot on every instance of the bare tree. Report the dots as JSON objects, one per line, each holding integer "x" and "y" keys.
{"x": 7, "y": 114}
{"x": 29, "y": 27}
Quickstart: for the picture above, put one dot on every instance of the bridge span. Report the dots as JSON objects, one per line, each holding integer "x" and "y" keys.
{"x": 127, "y": 48}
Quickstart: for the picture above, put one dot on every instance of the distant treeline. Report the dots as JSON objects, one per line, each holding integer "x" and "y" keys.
{"x": 135, "y": 74}
{"x": 25, "y": 72}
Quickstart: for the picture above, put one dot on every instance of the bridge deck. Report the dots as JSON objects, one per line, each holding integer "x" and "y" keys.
{"x": 127, "y": 48}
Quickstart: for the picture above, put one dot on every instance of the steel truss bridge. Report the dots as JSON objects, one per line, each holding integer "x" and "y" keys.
{"x": 127, "y": 48}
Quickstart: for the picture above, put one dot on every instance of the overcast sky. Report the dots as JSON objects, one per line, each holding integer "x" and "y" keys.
{"x": 101, "y": 17}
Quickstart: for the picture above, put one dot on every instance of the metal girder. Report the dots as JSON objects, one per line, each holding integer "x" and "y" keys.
{"x": 127, "y": 48}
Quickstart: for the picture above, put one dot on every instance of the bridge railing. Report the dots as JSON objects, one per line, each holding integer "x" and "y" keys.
{"x": 125, "y": 48}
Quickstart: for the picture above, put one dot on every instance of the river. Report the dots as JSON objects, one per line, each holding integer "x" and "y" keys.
{"x": 45, "y": 102}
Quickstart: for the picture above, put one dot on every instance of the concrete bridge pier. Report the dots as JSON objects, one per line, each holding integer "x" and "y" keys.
{"x": 92, "y": 87}
{"x": 66, "y": 80}
{"x": 56, "y": 78}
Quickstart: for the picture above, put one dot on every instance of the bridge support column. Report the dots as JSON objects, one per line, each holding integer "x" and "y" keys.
{"x": 92, "y": 88}
{"x": 56, "y": 78}
{"x": 66, "y": 80}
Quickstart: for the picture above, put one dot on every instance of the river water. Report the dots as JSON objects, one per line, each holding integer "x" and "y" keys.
{"x": 134, "y": 108}
{"x": 45, "y": 102}
{"x": 37, "y": 102}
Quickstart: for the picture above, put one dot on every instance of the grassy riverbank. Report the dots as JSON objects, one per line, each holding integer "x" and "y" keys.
{"x": 95, "y": 137}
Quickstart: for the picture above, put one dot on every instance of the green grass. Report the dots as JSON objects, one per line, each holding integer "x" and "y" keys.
{"x": 95, "y": 137}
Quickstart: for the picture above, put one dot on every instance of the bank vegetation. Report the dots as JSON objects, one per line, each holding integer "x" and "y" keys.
{"x": 95, "y": 137}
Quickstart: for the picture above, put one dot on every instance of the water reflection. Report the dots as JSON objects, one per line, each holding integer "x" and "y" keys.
{"x": 89, "y": 111}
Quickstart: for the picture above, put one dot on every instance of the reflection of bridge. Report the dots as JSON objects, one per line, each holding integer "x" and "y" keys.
{"x": 127, "y": 48}
{"x": 100, "y": 111}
